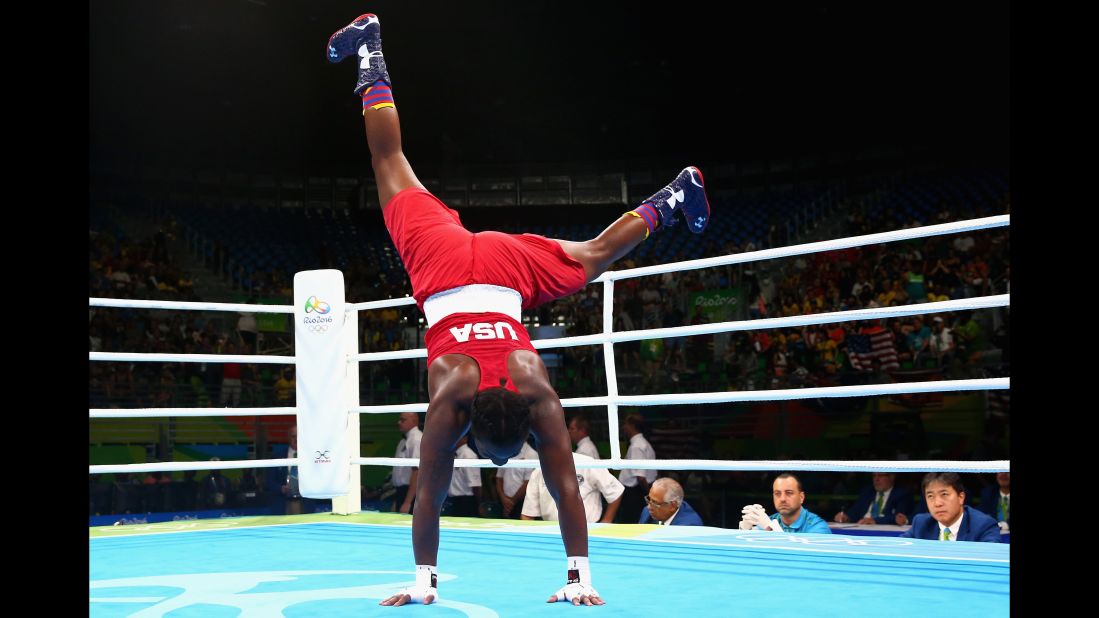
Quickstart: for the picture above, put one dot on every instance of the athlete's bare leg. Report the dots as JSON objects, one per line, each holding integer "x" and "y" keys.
{"x": 684, "y": 194}
{"x": 392, "y": 171}
{"x": 611, "y": 245}
{"x": 362, "y": 40}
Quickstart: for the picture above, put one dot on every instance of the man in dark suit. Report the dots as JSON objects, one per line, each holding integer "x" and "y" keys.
{"x": 881, "y": 503}
{"x": 948, "y": 518}
{"x": 667, "y": 506}
{"x": 996, "y": 500}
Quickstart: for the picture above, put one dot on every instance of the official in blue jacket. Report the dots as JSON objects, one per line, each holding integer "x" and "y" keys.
{"x": 881, "y": 503}
{"x": 948, "y": 518}
{"x": 996, "y": 500}
{"x": 791, "y": 516}
{"x": 667, "y": 507}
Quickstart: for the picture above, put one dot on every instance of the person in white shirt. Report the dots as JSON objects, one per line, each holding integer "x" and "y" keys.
{"x": 511, "y": 484}
{"x": 404, "y": 477}
{"x": 464, "y": 494}
{"x": 941, "y": 342}
{"x": 635, "y": 481}
{"x": 578, "y": 433}
{"x": 594, "y": 482}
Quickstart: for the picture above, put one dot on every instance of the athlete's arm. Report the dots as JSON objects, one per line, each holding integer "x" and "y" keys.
{"x": 447, "y": 420}
{"x": 559, "y": 472}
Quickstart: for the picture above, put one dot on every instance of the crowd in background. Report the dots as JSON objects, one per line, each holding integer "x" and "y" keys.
{"x": 955, "y": 344}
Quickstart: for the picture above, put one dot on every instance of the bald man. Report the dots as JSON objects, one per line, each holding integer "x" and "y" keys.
{"x": 667, "y": 507}
{"x": 790, "y": 516}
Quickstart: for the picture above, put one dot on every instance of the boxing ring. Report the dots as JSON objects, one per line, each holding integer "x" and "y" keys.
{"x": 343, "y": 563}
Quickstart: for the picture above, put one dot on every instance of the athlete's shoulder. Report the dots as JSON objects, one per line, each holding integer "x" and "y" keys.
{"x": 453, "y": 375}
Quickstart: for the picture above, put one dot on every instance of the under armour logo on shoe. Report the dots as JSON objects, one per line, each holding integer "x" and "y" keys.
{"x": 332, "y": 53}
{"x": 367, "y": 55}
{"x": 677, "y": 196}
{"x": 699, "y": 222}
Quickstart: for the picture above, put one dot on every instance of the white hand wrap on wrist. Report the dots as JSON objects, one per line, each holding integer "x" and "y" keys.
{"x": 578, "y": 570}
{"x": 425, "y": 584}
{"x": 579, "y": 580}
{"x": 425, "y": 576}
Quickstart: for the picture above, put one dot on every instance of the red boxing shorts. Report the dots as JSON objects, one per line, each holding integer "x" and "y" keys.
{"x": 439, "y": 254}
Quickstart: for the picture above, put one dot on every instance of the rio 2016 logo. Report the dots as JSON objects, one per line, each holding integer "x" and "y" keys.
{"x": 317, "y": 306}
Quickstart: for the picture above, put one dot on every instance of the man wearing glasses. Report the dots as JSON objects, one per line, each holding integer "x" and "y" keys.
{"x": 667, "y": 507}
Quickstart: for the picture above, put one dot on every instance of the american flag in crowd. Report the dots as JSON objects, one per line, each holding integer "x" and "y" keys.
{"x": 872, "y": 344}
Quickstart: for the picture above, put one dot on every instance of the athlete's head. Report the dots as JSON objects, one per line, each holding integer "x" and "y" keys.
{"x": 500, "y": 423}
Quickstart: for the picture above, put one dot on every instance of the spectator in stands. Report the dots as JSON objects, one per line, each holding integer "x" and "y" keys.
{"x": 934, "y": 293}
{"x": 883, "y": 502}
{"x": 405, "y": 477}
{"x": 248, "y": 492}
{"x": 948, "y": 517}
{"x": 186, "y": 494}
{"x": 230, "y": 380}
{"x": 790, "y": 516}
{"x": 635, "y": 481}
{"x": 285, "y": 387}
{"x": 289, "y": 486}
{"x": 464, "y": 494}
{"x": 578, "y": 433}
{"x": 969, "y": 337}
{"x": 917, "y": 339}
{"x": 651, "y": 303}
{"x": 941, "y": 342}
{"x": 963, "y": 244}
{"x": 996, "y": 500}
{"x": 914, "y": 283}
{"x": 512, "y": 483}
{"x": 214, "y": 489}
{"x": 594, "y": 482}
{"x": 247, "y": 330}
{"x": 666, "y": 506}
{"x": 652, "y": 357}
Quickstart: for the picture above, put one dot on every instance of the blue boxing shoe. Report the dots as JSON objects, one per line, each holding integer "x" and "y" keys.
{"x": 685, "y": 194}
{"x": 362, "y": 37}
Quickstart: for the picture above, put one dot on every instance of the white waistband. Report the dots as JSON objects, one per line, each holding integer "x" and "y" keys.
{"x": 476, "y": 298}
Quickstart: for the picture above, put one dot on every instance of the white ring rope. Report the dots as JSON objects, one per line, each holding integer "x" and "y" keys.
{"x": 726, "y": 465}
{"x": 176, "y": 466}
{"x": 863, "y": 390}
{"x": 155, "y": 357}
{"x": 607, "y": 338}
{"x": 851, "y": 315}
{"x": 812, "y": 247}
{"x": 166, "y": 412}
{"x": 980, "y": 302}
{"x": 381, "y": 304}
{"x": 188, "y": 306}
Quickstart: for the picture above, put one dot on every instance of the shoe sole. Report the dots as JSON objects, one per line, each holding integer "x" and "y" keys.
{"x": 335, "y": 34}
{"x": 704, "y": 198}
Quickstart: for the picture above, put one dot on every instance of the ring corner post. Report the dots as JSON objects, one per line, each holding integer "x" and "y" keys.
{"x": 327, "y": 437}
